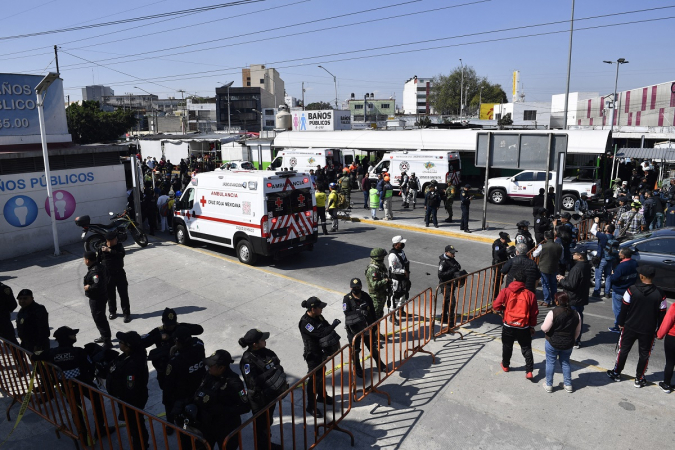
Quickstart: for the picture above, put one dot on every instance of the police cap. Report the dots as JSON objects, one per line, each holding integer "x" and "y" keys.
{"x": 169, "y": 316}
{"x": 523, "y": 224}
{"x": 131, "y": 338}
{"x": 355, "y": 283}
{"x": 255, "y": 335}
{"x": 468, "y": 186}
{"x": 63, "y": 334}
{"x": 505, "y": 236}
{"x": 110, "y": 235}
{"x": 313, "y": 302}
{"x": 451, "y": 249}
{"x": 219, "y": 358}
{"x": 182, "y": 334}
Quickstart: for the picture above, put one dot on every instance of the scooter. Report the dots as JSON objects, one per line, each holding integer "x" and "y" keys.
{"x": 121, "y": 222}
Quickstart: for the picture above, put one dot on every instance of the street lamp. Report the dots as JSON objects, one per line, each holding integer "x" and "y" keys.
{"x": 152, "y": 107}
{"x": 261, "y": 120}
{"x": 461, "y": 90}
{"x": 618, "y": 62}
{"x": 41, "y": 92}
{"x": 334, "y": 81}
{"x": 228, "y": 104}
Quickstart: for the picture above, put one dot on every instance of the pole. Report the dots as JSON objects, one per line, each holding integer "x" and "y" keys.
{"x": 560, "y": 170}
{"x": 303, "y": 95}
{"x": 260, "y": 164}
{"x": 56, "y": 58}
{"x": 48, "y": 176}
{"x": 567, "y": 90}
{"x": 480, "y": 101}
{"x": 229, "y": 128}
{"x": 616, "y": 81}
{"x": 548, "y": 170}
{"x": 136, "y": 190}
{"x": 336, "y": 96}
{"x": 461, "y": 90}
{"x": 487, "y": 176}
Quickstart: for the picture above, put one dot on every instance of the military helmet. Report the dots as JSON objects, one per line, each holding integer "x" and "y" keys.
{"x": 523, "y": 224}
{"x": 378, "y": 254}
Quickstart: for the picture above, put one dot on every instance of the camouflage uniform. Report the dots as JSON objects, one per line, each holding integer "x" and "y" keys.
{"x": 378, "y": 283}
{"x": 449, "y": 199}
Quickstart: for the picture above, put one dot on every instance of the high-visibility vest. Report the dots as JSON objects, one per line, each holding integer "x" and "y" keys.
{"x": 388, "y": 191}
{"x": 374, "y": 198}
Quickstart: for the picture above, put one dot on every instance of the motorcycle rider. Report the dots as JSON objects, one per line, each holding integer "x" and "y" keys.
{"x": 523, "y": 235}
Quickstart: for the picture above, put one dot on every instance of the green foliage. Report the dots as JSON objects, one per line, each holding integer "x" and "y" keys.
{"x": 318, "y": 105}
{"x": 423, "y": 122}
{"x": 445, "y": 91}
{"x": 87, "y": 124}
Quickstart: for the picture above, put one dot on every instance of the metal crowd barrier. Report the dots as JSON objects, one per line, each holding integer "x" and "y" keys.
{"x": 297, "y": 428}
{"x": 106, "y": 422}
{"x": 467, "y": 298}
{"x": 395, "y": 338}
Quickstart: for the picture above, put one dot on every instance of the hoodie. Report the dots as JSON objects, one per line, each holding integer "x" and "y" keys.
{"x": 643, "y": 308}
{"x": 510, "y": 297}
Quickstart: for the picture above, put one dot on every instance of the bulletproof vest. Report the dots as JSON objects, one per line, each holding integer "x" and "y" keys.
{"x": 273, "y": 375}
{"x": 359, "y": 315}
{"x": 330, "y": 341}
{"x": 66, "y": 358}
{"x": 403, "y": 260}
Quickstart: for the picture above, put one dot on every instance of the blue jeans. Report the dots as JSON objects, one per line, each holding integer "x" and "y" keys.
{"x": 431, "y": 216}
{"x": 580, "y": 310}
{"x": 605, "y": 268}
{"x": 373, "y": 213}
{"x": 366, "y": 200}
{"x": 552, "y": 354}
{"x": 657, "y": 222}
{"x": 617, "y": 300}
{"x": 549, "y": 285}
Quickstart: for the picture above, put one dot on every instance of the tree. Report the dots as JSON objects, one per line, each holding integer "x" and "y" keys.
{"x": 445, "y": 93}
{"x": 423, "y": 122}
{"x": 318, "y": 105}
{"x": 87, "y": 124}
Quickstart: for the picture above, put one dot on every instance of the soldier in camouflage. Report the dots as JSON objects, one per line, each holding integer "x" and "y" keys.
{"x": 378, "y": 282}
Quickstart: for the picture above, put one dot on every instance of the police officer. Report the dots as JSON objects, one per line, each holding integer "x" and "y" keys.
{"x": 7, "y": 306}
{"x": 128, "y": 381}
{"x": 32, "y": 323}
{"x": 403, "y": 185}
{"x": 399, "y": 272}
{"x": 499, "y": 255}
{"x": 413, "y": 188}
{"x": 359, "y": 314}
{"x": 378, "y": 282}
{"x": 96, "y": 291}
{"x": 542, "y": 223}
{"x": 321, "y": 341}
{"x": 112, "y": 258}
{"x": 265, "y": 380}
{"x": 465, "y": 199}
{"x": 220, "y": 400}
{"x": 184, "y": 372}
{"x": 523, "y": 236}
{"x": 76, "y": 364}
{"x": 432, "y": 201}
{"x": 448, "y": 269}
{"x": 449, "y": 199}
{"x": 345, "y": 186}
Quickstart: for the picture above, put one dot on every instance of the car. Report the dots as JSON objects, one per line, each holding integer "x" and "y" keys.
{"x": 653, "y": 248}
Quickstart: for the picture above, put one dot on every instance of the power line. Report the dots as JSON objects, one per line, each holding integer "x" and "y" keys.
{"x": 133, "y": 19}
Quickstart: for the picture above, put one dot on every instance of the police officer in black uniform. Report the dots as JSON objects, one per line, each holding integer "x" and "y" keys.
{"x": 32, "y": 323}
{"x": 184, "y": 372}
{"x": 265, "y": 380}
{"x": 359, "y": 314}
{"x": 465, "y": 200}
{"x": 112, "y": 258}
{"x": 96, "y": 292}
{"x": 523, "y": 236}
{"x": 499, "y": 255}
{"x": 128, "y": 381}
{"x": 448, "y": 269}
{"x": 221, "y": 400}
{"x": 76, "y": 364}
{"x": 542, "y": 224}
{"x": 321, "y": 341}
{"x": 7, "y": 306}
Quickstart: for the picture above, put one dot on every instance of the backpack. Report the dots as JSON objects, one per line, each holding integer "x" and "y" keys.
{"x": 517, "y": 311}
{"x": 611, "y": 249}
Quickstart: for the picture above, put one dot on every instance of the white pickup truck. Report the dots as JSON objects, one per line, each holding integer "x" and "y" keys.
{"x": 525, "y": 185}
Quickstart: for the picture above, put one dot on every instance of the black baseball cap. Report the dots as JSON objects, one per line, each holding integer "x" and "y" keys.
{"x": 182, "y": 334}
{"x": 313, "y": 302}
{"x": 219, "y": 358}
{"x": 169, "y": 316}
{"x": 25, "y": 293}
{"x": 63, "y": 333}
{"x": 647, "y": 271}
{"x": 255, "y": 335}
{"x": 502, "y": 235}
{"x": 131, "y": 338}
{"x": 566, "y": 215}
{"x": 110, "y": 235}
{"x": 450, "y": 248}
{"x": 468, "y": 186}
{"x": 355, "y": 283}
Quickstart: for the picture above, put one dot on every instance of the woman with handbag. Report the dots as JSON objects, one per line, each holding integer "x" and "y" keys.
{"x": 562, "y": 326}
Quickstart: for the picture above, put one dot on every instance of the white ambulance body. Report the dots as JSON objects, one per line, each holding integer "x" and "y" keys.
{"x": 254, "y": 212}
{"x": 302, "y": 160}
{"x": 444, "y": 167}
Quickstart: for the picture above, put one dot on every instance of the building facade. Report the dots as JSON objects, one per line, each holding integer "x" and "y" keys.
{"x": 416, "y": 94}
{"x": 558, "y": 107}
{"x": 96, "y": 93}
{"x": 259, "y": 76}
{"x": 376, "y": 110}
{"x": 246, "y": 106}
{"x": 525, "y": 113}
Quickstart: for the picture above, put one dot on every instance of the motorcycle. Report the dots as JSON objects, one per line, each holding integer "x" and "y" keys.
{"x": 121, "y": 222}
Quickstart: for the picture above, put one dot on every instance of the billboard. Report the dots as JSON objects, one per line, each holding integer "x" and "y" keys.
{"x": 322, "y": 120}
{"x": 520, "y": 150}
{"x": 487, "y": 111}
{"x": 19, "y": 114}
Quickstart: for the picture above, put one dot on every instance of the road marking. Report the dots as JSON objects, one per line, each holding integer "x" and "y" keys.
{"x": 389, "y": 224}
{"x": 424, "y": 264}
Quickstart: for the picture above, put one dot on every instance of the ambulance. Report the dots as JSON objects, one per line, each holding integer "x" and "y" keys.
{"x": 441, "y": 166}
{"x": 305, "y": 159}
{"x": 254, "y": 212}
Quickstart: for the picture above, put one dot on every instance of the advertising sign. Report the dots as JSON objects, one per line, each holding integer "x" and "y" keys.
{"x": 322, "y": 120}
{"x": 487, "y": 111}
{"x": 18, "y": 108}
{"x": 526, "y": 151}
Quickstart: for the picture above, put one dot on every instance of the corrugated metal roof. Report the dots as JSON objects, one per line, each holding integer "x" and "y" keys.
{"x": 661, "y": 154}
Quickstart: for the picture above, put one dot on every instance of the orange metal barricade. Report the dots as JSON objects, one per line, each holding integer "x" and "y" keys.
{"x": 394, "y": 339}
{"x": 467, "y": 298}
{"x": 297, "y": 428}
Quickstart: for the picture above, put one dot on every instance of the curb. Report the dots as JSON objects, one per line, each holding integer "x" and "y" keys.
{"x": 384, "y": 223}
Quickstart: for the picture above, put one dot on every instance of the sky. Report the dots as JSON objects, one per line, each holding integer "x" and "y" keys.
{"x": 371, "y": 46}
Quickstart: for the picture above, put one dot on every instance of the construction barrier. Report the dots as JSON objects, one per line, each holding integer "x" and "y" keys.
{"x": 467, "y": 298}
{"x": 106, "y": 422}
{"x": 392, "y": 341}
{"x": 298, "y": 428}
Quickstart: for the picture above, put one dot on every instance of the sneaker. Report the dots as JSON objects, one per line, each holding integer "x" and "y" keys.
{"x": 112, "y": 316}
{"x": 614, "y": 329}
{"x": 529, "y": 375}
{"x": 548, "y": 388}
{"x": 577, "y": 345}
{"x": 665, "y": 387}
{"x": 569, "y": 389}
{"x": 504, "y": 368}
{"x": 613, "y": 375}
{"x": 595, "y": 294}
{"x": 640, "y": 382}
{"x": 608, "y": 296}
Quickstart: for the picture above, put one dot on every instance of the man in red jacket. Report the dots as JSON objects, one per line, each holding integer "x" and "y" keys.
{"x": 520, "y": 309}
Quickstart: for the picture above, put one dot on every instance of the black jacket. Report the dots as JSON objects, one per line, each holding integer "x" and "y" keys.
{"x": 577, "y": 282}
{"x": 432, "y": 199}
{"x": 525, "y": 264}
{"x": 184, "y": 372}
{"x": 319, "y": 337}
{"x": 113, "y": 260}
{"x": 128, "y": 378}
{"x": 499, "y": 251}
{"x": 359, "y": 313}
{"x": 73, "y": 361}
{"x": 32, "y": 326}
{"x": 447, "y": 268}
{"x": 7, "y": 306}
{"x": 95, "y": 278}
{"x": 643, "y": 309}
{"x": 221, "y": 401}
{"x": 537, "y": 202}
{"x": 465, "y": 199}
{"x": 524, "y": 237}
{"x": 264, "y": 376}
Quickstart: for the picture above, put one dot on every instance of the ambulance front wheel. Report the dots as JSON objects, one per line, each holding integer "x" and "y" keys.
{"x": 245, "y": 252}
{"x": 181, "y": 235}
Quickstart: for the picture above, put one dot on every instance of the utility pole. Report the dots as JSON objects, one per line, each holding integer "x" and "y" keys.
{"x": 569, "y": 68}
{"x": 182, "y": 92}
{"x": 480, "y": 100}
{"x": 56, "y": 58}
{"x": 303, "y": 95}
{"x": 461, "y": 90}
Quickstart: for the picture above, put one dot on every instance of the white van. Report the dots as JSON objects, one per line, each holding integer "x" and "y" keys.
{"x": 428, "y": 165}
{"x": 302, "y": 160}
{"x": 254, "y": 212}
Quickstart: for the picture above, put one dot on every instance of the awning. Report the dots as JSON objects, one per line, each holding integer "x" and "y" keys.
{"x": 659, "y": 154}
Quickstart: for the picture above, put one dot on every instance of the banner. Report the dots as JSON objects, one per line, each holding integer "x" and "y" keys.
{"x": 487, "y": 111}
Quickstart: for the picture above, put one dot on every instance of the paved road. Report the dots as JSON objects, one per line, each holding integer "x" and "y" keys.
{"x": 462, "y": 400}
